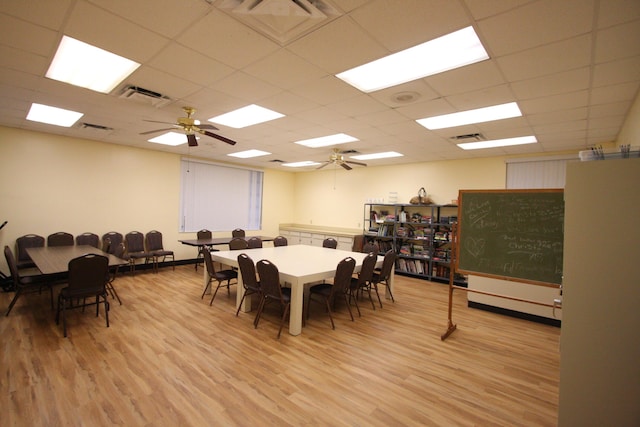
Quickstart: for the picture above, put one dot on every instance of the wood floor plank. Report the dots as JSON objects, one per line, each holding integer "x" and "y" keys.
{"x": 170, "y": 359}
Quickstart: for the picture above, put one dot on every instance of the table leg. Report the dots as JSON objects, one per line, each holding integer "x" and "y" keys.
{"x": 295, "y": 312}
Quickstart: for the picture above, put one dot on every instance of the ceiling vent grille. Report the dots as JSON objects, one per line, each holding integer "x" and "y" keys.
{"x": 145, "y": 96}
{"x": 94, "y": 127}
{"x": 281, "y": 20}
{"x": 469, "y": 137}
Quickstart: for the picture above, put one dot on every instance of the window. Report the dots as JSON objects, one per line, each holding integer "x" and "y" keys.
{"x": 537, "y": 172}
{"x": 219, "y": 198}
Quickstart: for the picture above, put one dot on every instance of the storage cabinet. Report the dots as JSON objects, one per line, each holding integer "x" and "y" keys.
{"x": 419, "y": 234}
{"x": 315, "y": 238}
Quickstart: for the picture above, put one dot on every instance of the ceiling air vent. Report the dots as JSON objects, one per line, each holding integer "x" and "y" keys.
{"x": 95, "y": 127}
{"x": 469, "y": 137}
{"x": 146, "y": 96}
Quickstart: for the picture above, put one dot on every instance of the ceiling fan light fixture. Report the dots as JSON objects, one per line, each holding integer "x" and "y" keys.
{"x": 324, "y": 141}
{"x": 169, "y": 138}
{"x": 246, "y": 116}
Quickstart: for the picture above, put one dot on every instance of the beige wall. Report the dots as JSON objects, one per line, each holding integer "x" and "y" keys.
{"x": 52, "y": 183}
{"x": 336, "y": 197}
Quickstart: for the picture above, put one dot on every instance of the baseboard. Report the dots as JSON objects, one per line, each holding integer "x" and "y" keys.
{"x": 514, "y": 313}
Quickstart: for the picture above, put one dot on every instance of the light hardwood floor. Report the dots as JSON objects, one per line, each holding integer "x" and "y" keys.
{"x": 169, "y": 359}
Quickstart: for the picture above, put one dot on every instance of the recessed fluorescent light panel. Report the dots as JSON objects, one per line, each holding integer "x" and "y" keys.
{"x": 479, "y": 115}
{"x": 460, "y": 48}
{"x": 324, "y": 141}
{"x": 53, "y": 115}
{"x": 300, "y": 164}
{"x": 170, "y": 138}
{"x": 81, "y": 64}
{"x": 374, "y": 156}
{"x": 246, "y": 116}
{"x": 249, "y": 154}
{"x": 498, "y": 143}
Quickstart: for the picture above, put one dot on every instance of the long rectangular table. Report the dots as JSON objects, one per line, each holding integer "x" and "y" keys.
{"x": 215, "y": 241}
{"x": 297, "y": 264}
{"x": 55, "y": 259}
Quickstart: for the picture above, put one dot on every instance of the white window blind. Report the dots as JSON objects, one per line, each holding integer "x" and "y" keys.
{"x": 537, "y": 173}
{"x": 219, "y": 198}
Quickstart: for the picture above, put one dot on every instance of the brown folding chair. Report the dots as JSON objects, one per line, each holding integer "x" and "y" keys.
{"x": 88, "y": 277}
{"x": 219, "y": 276}
{"x": 272, "y": 291}
{"x": 329, "y": 292}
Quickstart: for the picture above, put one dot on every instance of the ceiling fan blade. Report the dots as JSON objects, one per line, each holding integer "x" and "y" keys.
{"x": 323, "y": 165}
{"x": 191, "y": 140}
{"x": 346, "y": 166}
{"x": 157, "y": 121}
{"x": 213, "y": 135}
{"x": 206, "y": 126}
{"x": 154, "y": 131}
{"x": 356, "y": 163}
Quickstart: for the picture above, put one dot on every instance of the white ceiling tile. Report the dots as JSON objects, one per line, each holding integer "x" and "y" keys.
{"x": 166, "y": 17}
{"x": 50, "y": 14}
{"x": 112, "y": 33}
{"x": 536, "y": 24}
{"x": 471, "y": 78}
{"x": 190, "y": 65}
{"x": 226, "y": 40}
{"x": 549, "y": 59}
{"x": 618, "y": 42}
{"x": 414, "y": 22}
{"x": 615, "y": 72}
{"x": 612, "y": 93}
{"x": 613, "y": 12}
{"x": 356, "y": 46}
{"x": 568, "y": 81}
{"x": 245, "y": 87}
{"x": 275, "y": 68}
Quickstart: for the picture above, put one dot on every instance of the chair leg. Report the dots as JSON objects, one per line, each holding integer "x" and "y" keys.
{"x": 106, "y": 309}
{"x": 390, "y": 293}
{"x": 214, "y": 294}
{"x": 13, "y": 301}
{"x": 241, "y": 301}
{"x": 329, "y": 311}
{"x": 259, "y": 313}
{"x": 355, "y": 299}
{"x": 375, "y": 288}
{"x": 346, "y": 300}
{"x": 206, "y": 288}
{"x": 112, "y": 291}
{"x": 284, "y": 316}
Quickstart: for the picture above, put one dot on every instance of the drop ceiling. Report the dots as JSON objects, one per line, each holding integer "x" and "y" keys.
{"x": 573, "y": 67}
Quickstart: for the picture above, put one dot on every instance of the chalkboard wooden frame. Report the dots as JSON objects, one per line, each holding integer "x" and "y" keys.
{"x": 515, "y": 235}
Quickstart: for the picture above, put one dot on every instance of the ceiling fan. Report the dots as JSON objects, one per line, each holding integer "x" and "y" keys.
{"x": 190, "y": 126}
{"x": 338, "y": 159}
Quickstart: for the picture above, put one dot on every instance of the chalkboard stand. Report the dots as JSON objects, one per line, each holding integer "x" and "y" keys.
{"x": 455, "y": 240}
{"x": 452, "y": 267}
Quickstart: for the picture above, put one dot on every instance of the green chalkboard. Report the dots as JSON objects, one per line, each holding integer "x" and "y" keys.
{"x": 511, "y": 234}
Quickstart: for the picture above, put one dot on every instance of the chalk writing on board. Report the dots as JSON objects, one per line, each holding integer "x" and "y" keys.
{"x": 512, "y": 234}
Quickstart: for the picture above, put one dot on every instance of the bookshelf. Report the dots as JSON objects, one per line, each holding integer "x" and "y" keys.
{"x": 419, "y": 234}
